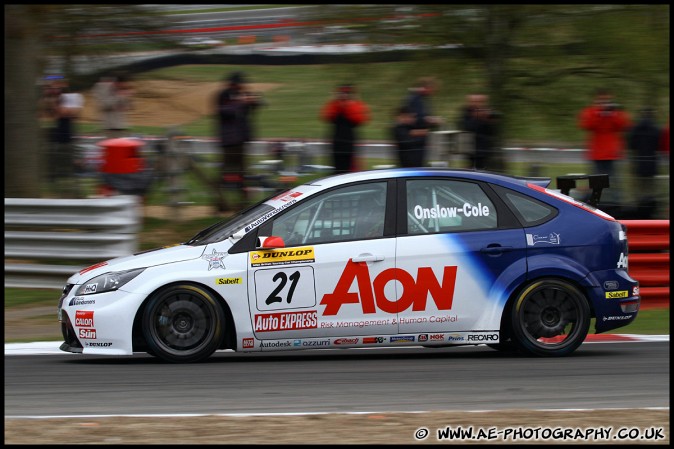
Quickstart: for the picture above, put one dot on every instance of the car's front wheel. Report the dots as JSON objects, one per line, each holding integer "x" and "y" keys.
{"x": 183, "y": 323}
{"x": 550, "y": 317}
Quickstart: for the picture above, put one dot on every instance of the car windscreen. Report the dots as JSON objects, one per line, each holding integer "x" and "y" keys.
{"x": 226, "y": 228}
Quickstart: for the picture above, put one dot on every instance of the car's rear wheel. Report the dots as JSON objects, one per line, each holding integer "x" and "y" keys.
{"x": 183, "y": 323}
{"x": 550, "y": 317}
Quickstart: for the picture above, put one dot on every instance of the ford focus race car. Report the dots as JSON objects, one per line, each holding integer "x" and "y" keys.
{"x": 379, "y": 258}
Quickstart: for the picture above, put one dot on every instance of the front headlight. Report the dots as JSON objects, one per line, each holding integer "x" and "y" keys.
{"x": 108, "y": 282}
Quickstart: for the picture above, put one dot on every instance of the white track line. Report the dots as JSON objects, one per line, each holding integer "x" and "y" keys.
{"x": 246, "y": 415}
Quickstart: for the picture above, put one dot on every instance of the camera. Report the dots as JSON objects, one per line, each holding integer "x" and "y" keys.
{"x": 609, "y": 108}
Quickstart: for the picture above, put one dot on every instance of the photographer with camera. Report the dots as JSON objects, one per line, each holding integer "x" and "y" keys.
{"x": 345, "y": 112}
{"x": 479, "y": 119}
{"x": 234, "y": 106}
{"x": 606, "y": 123}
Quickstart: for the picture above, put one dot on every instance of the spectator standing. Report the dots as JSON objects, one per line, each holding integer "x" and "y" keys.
{"x": 606, "y": 123}
{"x": 479, "y": 119}
{"x": 233, "y": 108}
{"x": 409, "y": 140}
{"x": 63, "y": 157}
{"x": 114, "y": 98}
{"x": 418, "y": 101}
{"x": 664, "y": 141}
{"x": 645, "y": 140}
{"x": 345, "y": 112}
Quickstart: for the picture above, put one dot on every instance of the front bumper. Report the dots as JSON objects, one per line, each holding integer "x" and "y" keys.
{"x": 99, "y": 324}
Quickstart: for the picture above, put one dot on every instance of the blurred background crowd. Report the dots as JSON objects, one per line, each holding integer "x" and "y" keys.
{"x": 518, "y": 89}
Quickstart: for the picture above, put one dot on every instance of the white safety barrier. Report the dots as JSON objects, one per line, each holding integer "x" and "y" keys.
{"x": 47, "y": 240}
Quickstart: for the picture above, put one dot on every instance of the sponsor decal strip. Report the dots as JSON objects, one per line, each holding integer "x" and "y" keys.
{"x": 268, "y": 215}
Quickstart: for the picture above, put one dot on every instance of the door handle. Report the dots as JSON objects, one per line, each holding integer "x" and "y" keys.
{"x": 495, "y": 249}
{"x": 367, "y": 258}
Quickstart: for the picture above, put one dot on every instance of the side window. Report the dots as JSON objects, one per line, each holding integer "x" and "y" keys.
{"x": 529, "y": 210}
{"x": 349, "y": 213}
{"x": 436, "y": 205}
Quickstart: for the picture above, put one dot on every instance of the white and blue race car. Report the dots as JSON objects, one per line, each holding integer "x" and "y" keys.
{"x": 378, "y": 258}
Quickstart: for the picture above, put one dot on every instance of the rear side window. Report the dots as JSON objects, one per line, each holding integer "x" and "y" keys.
{"x": 436, "y": 206}
{"x": 530, "y": 211}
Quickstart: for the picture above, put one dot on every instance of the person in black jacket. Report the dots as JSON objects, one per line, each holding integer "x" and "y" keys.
{"x": 409, "y": 140}
{"x": 644, "y": 142}
{"x": 480, "y": 120}
{"x": 418, "y": 101}
{"x": 233, "y": 108}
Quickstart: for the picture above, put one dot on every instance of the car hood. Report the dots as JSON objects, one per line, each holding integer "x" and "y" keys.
{"x": 159, "y": 256}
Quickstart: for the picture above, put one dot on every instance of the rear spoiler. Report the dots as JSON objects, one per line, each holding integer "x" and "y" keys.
{"x": 597, "y": 184}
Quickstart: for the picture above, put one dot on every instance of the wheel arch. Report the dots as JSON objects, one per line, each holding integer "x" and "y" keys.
{"x": 560, "y": 276}
{"x": 229, "y": 340}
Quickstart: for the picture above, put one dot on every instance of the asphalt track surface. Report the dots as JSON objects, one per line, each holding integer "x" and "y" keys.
{"x": 597, "y": 375}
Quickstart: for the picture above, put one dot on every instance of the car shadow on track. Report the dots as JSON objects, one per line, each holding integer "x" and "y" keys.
{"x": 416, "y": 353}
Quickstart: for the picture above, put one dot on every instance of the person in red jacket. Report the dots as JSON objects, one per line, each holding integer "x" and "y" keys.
{"x": 345, "y": 112}
{"x": 606, "y": 123}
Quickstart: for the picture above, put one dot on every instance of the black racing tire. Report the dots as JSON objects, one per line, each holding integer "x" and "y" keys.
{"x": 183, "y": 323}
{"x": 550, "y": 317}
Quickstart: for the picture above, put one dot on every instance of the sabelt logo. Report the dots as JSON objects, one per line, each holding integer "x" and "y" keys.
{"x": 346, "y": 341}
{"x": 84, "y": 318}
{"x": 414, "y": 293}
{"x": 423, "y": 337}
{"x": 635, "y": 290}
{"x": 288, "y": 321}
{"x": 248, "y": 343}
{"x": 616, "y": 295}
{"x": 228, "y": 281}
{"x": 278, "y": 257}
{"x": 372, "y": 340}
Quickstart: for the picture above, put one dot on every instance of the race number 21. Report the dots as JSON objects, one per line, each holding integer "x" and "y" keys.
{"x": 282, "y": 289}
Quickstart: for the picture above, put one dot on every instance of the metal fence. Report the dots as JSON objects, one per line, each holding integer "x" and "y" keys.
{"x": 47, "y": 240}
